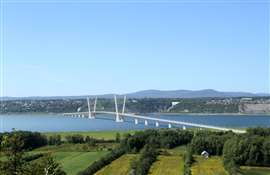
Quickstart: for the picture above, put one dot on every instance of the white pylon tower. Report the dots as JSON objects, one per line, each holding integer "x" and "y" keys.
{"x": 95, "y": 106}
{"x": 118, "y": 118}
{"x": 89, "y": 109}
{"x": 124, "y": 105}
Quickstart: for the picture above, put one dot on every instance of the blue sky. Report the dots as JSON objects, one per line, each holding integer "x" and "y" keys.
{"x": 96, "y": 48}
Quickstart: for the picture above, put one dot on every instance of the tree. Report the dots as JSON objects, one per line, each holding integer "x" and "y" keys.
{"x": 117, "y": 137}
{"x": 54, "y": 140}
{"x": 12, "y": 147}
{"x": 46, "y": 166}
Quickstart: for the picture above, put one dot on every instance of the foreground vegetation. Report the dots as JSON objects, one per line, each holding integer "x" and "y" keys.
{"x": 106, "y": 135}
{"x": 169, "y": 165}
{"x": 120, "y": 166}
{"x": 211, "y": 166}
{"x": 73, "y": 162}
{"x": 255, "y": 170}
{"x": 163, "y": 151}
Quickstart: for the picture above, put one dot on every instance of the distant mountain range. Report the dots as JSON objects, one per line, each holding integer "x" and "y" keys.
{"x": 191, "y": 94}
{"x": 156, "y": 94}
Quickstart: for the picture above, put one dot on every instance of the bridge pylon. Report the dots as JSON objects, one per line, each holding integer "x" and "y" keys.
{"x": 124, "y": 105}
{"x": 95, "y": 107}
{"x": 90, "y": 114}
{"x": 118, "y": 117}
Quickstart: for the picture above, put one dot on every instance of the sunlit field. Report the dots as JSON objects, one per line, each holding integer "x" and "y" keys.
{"x": 255, "y": 170}
{"x": 169, "y": 165}
{"x": 120, "y": 166}
{"x": 211, "y": 166}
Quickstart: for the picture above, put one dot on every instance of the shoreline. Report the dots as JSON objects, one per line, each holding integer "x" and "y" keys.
{"x": 210, "y": 114}
{"x": 155, "y": 113}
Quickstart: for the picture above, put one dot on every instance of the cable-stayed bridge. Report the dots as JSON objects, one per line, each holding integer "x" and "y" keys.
{"x": 120, "y": 117}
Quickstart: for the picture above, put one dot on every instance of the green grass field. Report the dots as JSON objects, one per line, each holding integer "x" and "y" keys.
{"x": 169, "y": 165}
{"x": 106, "y": 135}
{"x": 255, "y": 170}
{"x": 73, "y": 162}
{"x": 120, "y": 166}
{"x": 211, "y": 166}
{"x": 180, "y": 150}
{"x": 72, "y": 157}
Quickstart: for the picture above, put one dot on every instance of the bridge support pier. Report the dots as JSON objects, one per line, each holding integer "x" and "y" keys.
{"x": 136, "y": 121}
{"x": 145, "y": 122}
{"x": 157, "y": 124}
{"x": 169, "y": 125}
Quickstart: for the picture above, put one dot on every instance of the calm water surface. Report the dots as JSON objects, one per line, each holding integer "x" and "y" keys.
{"x": 54, "y": 122}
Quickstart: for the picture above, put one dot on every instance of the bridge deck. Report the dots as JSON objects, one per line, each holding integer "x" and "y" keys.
{"x": 161, "y": 120}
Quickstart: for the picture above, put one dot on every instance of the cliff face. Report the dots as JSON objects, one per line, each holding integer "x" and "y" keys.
{"x": 263, "y": 108}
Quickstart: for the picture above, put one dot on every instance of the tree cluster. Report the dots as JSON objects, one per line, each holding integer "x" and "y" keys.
{"x": 163, "y": 138}
{"x": 148, "y": 155}
{"x": 251, "y": 150}
{"x": 188, "y": 160}
{"x": 14, "y": 145}
{"x": 30, "y": 140}
{"x": 212, "y": 142}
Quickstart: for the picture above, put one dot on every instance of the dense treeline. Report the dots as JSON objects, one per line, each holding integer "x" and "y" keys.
{"x": 251, "y": 150}
{"x": 30, "y": 140}
{"x": 147, "y": 156}
{"x": 163, "y": 138}
{"x": 188, "y": 160}
{"x": 202, "y": 105}
{"x": 212, "y": 142}
{"x": 141, "y": 105}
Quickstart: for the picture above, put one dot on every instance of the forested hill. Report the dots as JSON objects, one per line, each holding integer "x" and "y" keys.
{"x": 143, "y": 105}
{"x": 210, "y": 93}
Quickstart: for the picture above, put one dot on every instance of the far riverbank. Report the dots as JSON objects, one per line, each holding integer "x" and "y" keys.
{"x": 209, "y": 114}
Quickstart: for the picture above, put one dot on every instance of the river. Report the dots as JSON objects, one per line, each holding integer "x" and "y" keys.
{"x": 54, "y": 122}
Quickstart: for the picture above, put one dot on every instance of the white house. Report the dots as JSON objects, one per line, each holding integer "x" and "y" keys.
{"x": 205, "y": 154}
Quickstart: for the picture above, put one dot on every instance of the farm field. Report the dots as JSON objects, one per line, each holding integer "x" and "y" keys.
{"x": 255, "y": 170}
{"x": 73, "y": 162}
{"x": 106, "y": 135}
{"x": 211, "y": 166}
{"x": 120, "y": 166}
{"x": 169, "y": 165}
{"x": 179, "y": 150}
{"x": 73, "y": 157}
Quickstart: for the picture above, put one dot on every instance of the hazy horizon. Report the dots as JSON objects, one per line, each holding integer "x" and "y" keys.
{"x": 124, "y": 93}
